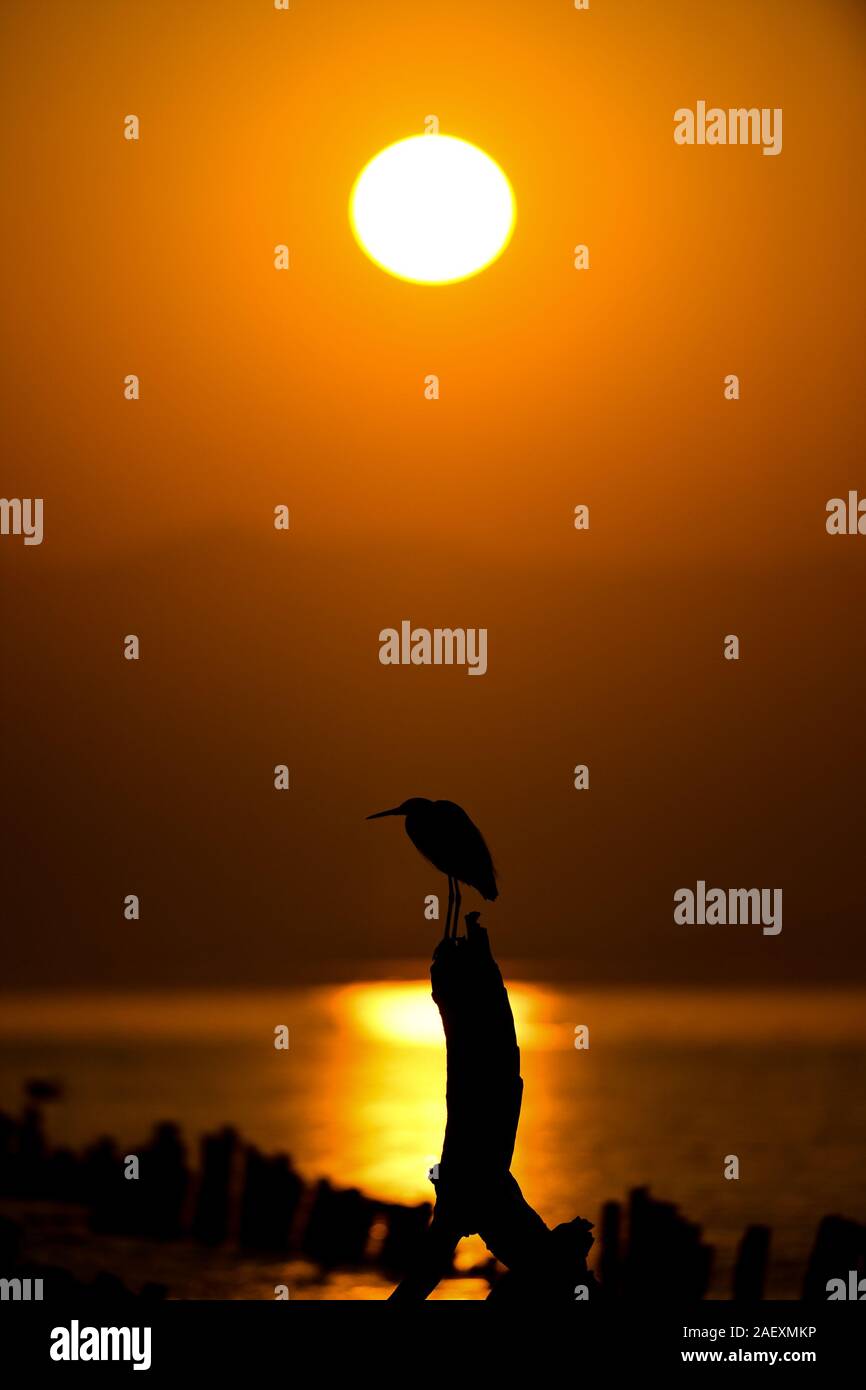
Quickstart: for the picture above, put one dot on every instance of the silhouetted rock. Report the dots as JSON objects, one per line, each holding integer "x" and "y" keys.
{"x": 750, "y": 1270}
{"x": 840, "y": 1247}
{"x": 271, "y": 1193}
{"x": 211, "y": 1220}
{"x": 338, "y": 1228}
{"x": 665, "y": 1258}
{"x": 164, "y": 1180}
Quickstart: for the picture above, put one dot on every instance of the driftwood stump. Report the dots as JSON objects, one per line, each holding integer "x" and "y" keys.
{"x": 475, "y": 1191}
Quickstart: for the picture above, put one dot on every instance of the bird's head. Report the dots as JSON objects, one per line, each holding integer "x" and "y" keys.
{"x": 415, "y": 803}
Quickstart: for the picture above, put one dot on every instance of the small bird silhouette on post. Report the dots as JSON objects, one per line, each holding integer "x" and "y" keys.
{"x": 444, "y": 834}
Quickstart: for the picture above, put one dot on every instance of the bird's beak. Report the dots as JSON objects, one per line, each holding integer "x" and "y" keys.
{"x": 395, "y": 811}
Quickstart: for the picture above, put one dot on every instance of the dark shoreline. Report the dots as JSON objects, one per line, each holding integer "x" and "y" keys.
{"x": 240, "y": 1204}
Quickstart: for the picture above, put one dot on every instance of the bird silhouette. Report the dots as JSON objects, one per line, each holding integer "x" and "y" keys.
{"x": 444, "y": 834}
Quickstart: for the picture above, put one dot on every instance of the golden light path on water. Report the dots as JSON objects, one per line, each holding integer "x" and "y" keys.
{"x": 405, "y": 1014}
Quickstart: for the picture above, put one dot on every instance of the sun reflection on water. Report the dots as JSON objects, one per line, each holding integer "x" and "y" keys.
{"x": 404, "y": 1012}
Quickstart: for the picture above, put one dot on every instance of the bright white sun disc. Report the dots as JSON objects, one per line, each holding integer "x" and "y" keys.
{"x": 432, "y": 209}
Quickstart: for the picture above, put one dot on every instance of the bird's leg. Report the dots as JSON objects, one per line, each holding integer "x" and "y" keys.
{"x": 457, "y": 902}
{"x": 450, "y": 908}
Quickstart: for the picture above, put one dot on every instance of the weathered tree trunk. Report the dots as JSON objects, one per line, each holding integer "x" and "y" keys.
{"x": 475, "y": 1191}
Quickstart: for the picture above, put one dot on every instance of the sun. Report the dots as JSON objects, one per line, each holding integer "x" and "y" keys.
{"x": 432, "y": 209}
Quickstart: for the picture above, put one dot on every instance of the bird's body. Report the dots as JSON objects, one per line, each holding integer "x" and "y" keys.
{"x": 444, "y": 834}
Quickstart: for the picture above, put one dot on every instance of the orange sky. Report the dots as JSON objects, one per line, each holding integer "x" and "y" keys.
{"x": 306, "y": 388}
